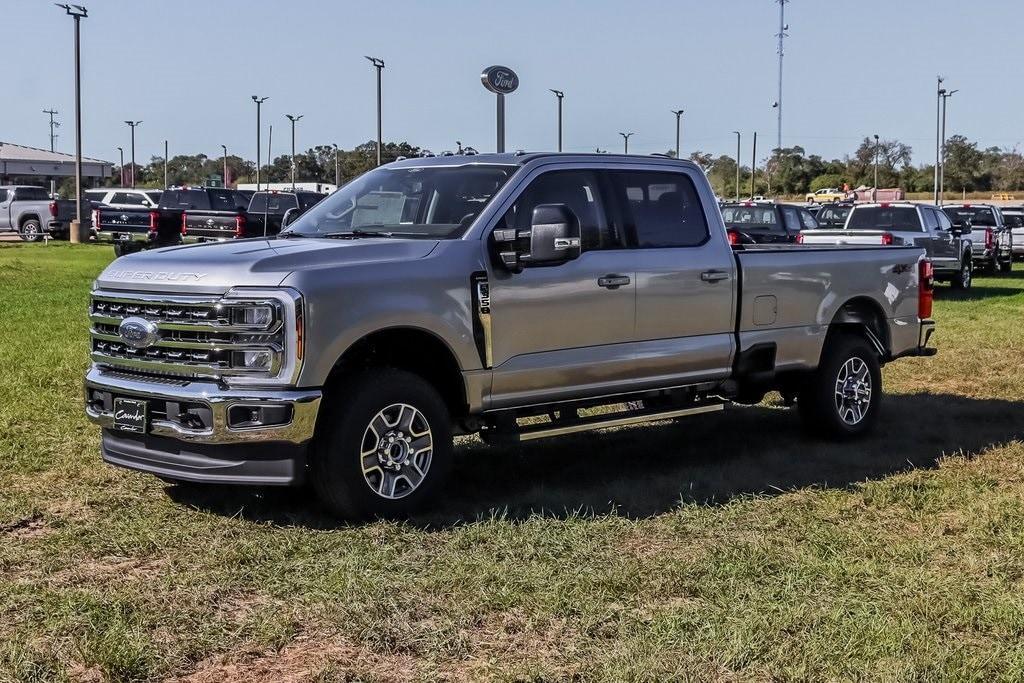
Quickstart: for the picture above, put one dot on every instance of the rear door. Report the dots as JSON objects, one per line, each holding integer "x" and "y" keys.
{"x": 943, "y": 246}
{"x": 685, "y": 277}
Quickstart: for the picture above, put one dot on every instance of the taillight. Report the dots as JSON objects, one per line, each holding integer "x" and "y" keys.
{"x": 95, "y": 217}
{"x": 990, "y": 238}
{"x": 886, "y": 239}
{"x": 53, "y": 209}
{"x": 925, "y": 288}
{"x": 154, "y": 221}
{"x": 734, "y": 237}
{"x": 239, "y": 225}
{"x": 184, "y": 223}
{"x": 799, "y": 238}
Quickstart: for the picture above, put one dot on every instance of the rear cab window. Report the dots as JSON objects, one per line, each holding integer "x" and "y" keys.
{"x": 31, "y": 194}
{"x": 185, "y": 200}
{"x": 659, "y": 209}
{"x": 754, "y": 217}
{"x": 272, "y": 203}
{"x": 891, "y": 218}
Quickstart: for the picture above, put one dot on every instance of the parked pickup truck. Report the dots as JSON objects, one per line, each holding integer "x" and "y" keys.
{"x": 266, "y": 211}
{"x": 29, "y": 211}
{"x": 517, "y": 296}
{"x": 826, "y": 196}
{"x": 902, "y": 224}
{"x": 221, "y": 216}
{"x": 131, "y": 230}
{"x": 1014, "y": 217}
{"x": 991, "y": 238}
{"x": 765, "y": 222}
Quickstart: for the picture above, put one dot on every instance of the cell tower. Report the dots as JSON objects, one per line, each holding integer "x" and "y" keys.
{"x": 781, "y": 35}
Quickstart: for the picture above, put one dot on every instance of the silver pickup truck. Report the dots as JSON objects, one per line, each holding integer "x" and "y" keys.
{"x": 29, "y": 211}
{"x": 517, "y": 296}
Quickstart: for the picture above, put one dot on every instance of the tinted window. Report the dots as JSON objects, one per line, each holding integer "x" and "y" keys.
{"x": 154, "y": 197}
{"x": 272, "y": 203}
{"x": 1014, "y": 220}
{"x": 931, "y": 221}
{"x": 3, "y": 196}
{"x": 308, "y": 199}
{"x": 579, "y": 191}
{"x": 222, "y": 200}
{"x": 185, "y": 199}
{"x": 751, "y": 217}
{"x": 978, "y": 216}
{"x": 807, "y": 221}
{"x": 790, "y": 216}
{"x": 31, "y": 194}
{"x": 127, "y": 198}
{"x": 896, "y": 218}
{"x": 660, "y": 209}
{"x": 944, "y": 222}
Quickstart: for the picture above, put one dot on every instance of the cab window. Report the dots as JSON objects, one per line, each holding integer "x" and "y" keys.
{"x": 659, "y": 209}
{"x": 580, "y": 191}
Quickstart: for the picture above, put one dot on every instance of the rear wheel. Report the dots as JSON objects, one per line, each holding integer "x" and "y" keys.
{"x": 841, "y": 399}
{"x": 31, "y": 231}
{"x": 385, "y": 446}
{"x": 1006, "y": 266}
{"x": 964, "y": 278}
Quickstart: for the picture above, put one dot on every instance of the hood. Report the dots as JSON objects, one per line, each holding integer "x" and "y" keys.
{"x": 214, "y": 268}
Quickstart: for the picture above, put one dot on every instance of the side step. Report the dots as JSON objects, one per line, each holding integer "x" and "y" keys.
{"x": 603, "y": 422}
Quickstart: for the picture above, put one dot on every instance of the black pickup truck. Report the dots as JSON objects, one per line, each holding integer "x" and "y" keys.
{"x": 131, "y": 230}
{"x": 267, "y": 210}
{"x": 219, "y": 217}
{"x": 758, "y": 222}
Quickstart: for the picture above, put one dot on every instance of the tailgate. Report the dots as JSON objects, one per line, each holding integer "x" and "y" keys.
{"x": 212, "y": 224}
{"x": 842, "y": 237}
{"x": 124, "y": 220}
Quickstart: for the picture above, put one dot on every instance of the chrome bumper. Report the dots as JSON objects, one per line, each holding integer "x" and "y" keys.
{"x": 107, "y": 236}
{"x": 304, "y": 404}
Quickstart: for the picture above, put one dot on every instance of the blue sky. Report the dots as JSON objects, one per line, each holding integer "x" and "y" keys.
{"x": 187, "y": 70}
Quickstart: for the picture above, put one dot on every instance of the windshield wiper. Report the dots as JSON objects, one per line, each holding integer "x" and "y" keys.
{"x": 359, "y": 232}
{"x": 292, "y": 233}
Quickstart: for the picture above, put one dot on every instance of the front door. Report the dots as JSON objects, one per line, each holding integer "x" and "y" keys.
{"x": 943, "y": 246}
{"x": 5, "y": 209}
{"x": 563, "y": 331}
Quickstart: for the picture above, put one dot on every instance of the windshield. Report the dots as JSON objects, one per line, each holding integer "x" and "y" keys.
{"x": 895, "y": 218}
{"x": 978, "y": 216}
{"x": 432, "y": 201}
{"x": 749, "y": 217}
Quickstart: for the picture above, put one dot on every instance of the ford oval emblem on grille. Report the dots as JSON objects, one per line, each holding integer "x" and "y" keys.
{"x": 137, "y": 333}
{"x": 124, "y": 218}
{"x": 210, "y": 221}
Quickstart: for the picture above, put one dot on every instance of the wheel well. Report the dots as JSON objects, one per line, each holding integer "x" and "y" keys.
{"x": 863, "y": 316}
{"x": 410, "y": 349}
{"x": 28, "y": 217}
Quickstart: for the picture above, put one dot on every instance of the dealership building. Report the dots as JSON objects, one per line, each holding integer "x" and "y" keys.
{"x": 21, "y": 165}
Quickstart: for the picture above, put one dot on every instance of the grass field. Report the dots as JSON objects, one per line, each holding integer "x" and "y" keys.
{"x": 728, "y": 547}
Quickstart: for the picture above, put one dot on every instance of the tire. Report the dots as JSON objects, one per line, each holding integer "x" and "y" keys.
{"x": 1006, "y": 266}
{"x": 384, "y": 447}
{"x": 841, "y": 400}
{"x": 31, "y": 230}
{"x": 119, "y": 249}
{"x": 965, "y": 277}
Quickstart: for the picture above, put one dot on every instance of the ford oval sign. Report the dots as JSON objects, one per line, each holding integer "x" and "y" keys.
{"x": 137, "y": 333}
{"x": 500, "y": 80}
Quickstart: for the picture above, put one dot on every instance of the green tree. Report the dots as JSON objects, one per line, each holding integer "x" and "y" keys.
{"x": 964, "y": 165}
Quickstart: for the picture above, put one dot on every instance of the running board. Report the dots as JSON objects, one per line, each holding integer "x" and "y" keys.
{"x": 598, "y": 422}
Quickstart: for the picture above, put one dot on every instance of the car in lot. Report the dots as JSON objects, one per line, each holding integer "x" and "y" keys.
{"x": 131, "y": 230}
{"x": 825, "y": 195}
{"x": 517, "y": 296}
{"x": 901, "y": 224}
{"x": 29, "y": 211}
{"x": 123, "y": 197}
{"x": 765, "y": 222}
{"x": 266, "y": 211}
{"x": 1014, "y": 218}
{"x": 833, "y": 215}
{"x": 991, "y": 238}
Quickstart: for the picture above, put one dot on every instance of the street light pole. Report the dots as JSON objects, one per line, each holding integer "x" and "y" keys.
{"x": 942, "y": 147}
{"x": 938, "y": 102}
{"x": 753, "y": 165}
{"x": 625, "y": 142}
{"x": 120, "y": 151}
{"x": 876, "y": 162}
{"x": 259, "y": 152}
{"x": 336, "y": 176}
{"x": 679, "y": 116}
{"x": 132, "y": 124}
{"x": 77, "y": 11}
{"x": 737, "y": 164}
{"x": 225, "y": 148}
{"x": 293, "y": 119}
{"x": 559, "y": 94}
{"x": 379, "y": 65}
{"x": 167, "y": 161}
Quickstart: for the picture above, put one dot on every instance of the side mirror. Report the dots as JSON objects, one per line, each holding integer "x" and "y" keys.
{"x": 289, "y": 217}
{"x": 554, "y": 234}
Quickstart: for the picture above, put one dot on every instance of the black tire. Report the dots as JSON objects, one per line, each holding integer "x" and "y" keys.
{"x": 356, "y": 486}
{"x": 31, "y": 230}
{"x": 965, "y": 277}
{"x": 1006, "y": 266}
{"x": 847, "y": 411}
{"x": 119, "y": 249}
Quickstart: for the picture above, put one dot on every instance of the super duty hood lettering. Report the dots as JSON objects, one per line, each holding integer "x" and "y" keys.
{"x": 156, "y": 276}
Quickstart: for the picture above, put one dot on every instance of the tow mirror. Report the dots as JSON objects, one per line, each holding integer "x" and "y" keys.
{"x": 289, "y": 217}
{"x": 554, "y": 234}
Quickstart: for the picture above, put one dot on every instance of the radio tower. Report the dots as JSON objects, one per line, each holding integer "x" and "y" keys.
{"x": 781, "y": 35}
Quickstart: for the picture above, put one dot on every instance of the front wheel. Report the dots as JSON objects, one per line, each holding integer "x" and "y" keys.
{"x": 385, "y": 446}
{"x": 841, "y": 399}
{"x": 31, "y": 231}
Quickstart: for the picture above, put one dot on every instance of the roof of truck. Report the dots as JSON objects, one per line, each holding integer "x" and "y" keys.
{"x": 520, "y": 158}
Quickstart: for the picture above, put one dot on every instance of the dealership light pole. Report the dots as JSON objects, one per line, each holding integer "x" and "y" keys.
{"x": 378, "y": 64}
{"x": 132, "y": 124}
{"x": 753, "y": 165}
{"x": 259, "y": 151}
{"x": 225, "y": 148}
{"x": 679, "y": 116}
{"x": 737, "y": 164}
{"x": 559, "y": 94}
{"x": 625, "y": 142}
{"x": 120, "y": 151}
{"x": 876, "y": 161}
{"x": 77, "y": 11}
{"x": 336, "y": 176}
{"x": 167, "y": 160}
{"x": 942, "y": 146}
{"x": 938, "y": 132}
{"x": 293, "y": 119}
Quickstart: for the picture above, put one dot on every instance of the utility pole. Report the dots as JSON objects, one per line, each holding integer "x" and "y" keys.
{"x": 132, "y": 124}
{"x": 753, "y": 165}
{"x": 293, "y": 119}
{"x": 53, "y": 138}
{"x": 782, "y": 35}
{"x": 77, "y": 12}
{"x": 942, "y": 147}
{"x": 166, "y": 161}
{"x": 876, "y": 161}
{"x": 337, "y": 178}
{"x": 559, "y": 94}
{"x": 737, "y": 164}
{"x": 225, "y": 182}
{"x": 679, "y": 116}
{"x": 378, "y": 64}
{"x": 938, "y": 145}
{"x": 259, "y": 151}
{"x": 120, "y": 151}
{"x": 625, "y": 142}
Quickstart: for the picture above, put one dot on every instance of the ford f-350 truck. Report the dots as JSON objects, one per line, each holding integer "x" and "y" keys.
{"x": 504, "y": 295}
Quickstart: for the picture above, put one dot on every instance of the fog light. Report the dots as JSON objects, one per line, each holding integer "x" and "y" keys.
{"x": 256, "y": 360}
{"x": 256, "y": 315}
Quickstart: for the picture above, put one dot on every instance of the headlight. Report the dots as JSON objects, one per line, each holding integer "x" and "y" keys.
{"x": 267, "y": 344}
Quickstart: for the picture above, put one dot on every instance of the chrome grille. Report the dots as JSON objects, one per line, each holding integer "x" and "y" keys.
{"x": 197, "y": 336}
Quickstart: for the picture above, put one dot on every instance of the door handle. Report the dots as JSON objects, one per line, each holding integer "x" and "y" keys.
{"x": 714, "y": 275}
{"x": 613, "y": 281}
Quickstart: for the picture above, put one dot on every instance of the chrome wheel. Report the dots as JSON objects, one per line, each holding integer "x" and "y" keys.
{"x": 396, "y": 451}
{"x": 966, "y": 273}
{"x": 853, "y": 391}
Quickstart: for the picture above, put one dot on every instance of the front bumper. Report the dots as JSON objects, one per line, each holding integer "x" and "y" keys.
{"x": 194, "y": 431}
{"x": 113, "y": 236}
